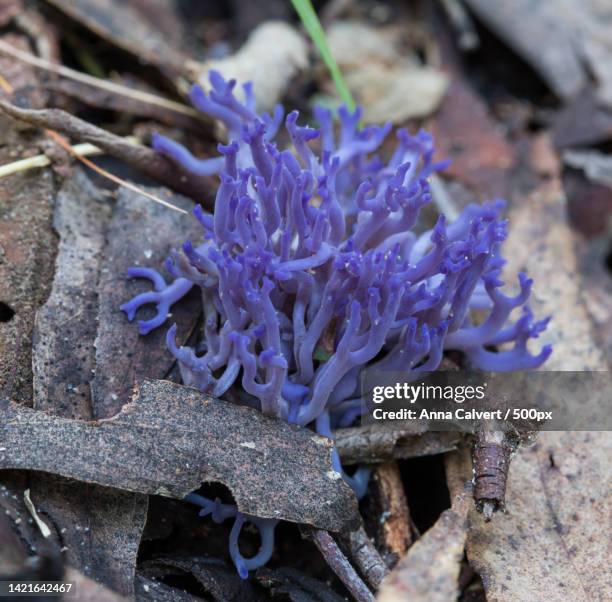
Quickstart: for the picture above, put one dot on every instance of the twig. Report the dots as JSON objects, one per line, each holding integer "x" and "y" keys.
{"x": 380, "y": 443}
{"x": 365, "y": 556}
{"x": 492, "y": 453}
{"x": 140, "y": 157}
{"x": 66, "y": 146}
{"x": 139, "y": 95}
{"x": 340, "y": 565}
{"x": 84, "y": 150}
{"x": 394, "y": 528}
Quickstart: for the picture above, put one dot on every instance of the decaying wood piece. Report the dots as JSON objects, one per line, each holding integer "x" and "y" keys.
{"x": 381, "y": 443}
{"x": 394, "y": 526}
{"x": 364, "y": 554}
{"x": 338, "y": 562}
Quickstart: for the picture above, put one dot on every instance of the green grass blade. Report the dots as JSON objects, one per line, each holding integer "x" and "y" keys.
{"x": 311, "y": 22}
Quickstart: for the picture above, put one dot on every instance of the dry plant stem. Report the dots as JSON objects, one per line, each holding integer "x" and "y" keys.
{"x": 66, "y": 146}
{"x": 142, "y": 158}
{"x": 340, "y": 565}
{"x": 107, "y": 86}
{"x": 365, "y": 556}
{"x": 395, "y": 530}
{"x": 83, "y": 150}
{"x": 371, "y": 444}
{"x": 491, "y": 458}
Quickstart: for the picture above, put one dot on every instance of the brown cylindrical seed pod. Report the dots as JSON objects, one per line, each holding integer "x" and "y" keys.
{"x": 491, "y": 458}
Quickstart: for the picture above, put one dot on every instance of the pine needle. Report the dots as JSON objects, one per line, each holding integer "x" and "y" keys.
{"x": 90, "y": 80}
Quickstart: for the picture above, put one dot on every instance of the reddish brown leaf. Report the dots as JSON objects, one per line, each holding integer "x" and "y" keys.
{"x": 466, "y": 134}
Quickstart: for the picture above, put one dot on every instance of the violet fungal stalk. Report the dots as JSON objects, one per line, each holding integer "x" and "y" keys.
{"x": 311, "y": 269}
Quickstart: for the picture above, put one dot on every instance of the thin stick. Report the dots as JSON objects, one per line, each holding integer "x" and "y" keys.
{"x": 66, "y": 146}
{"x": 365, "y": 556}
{"x": 84, "y": 150}
{"x": 340, "y": 565}
{"x": 5, "y": 85}
{"x": 139, "y": 95}
{"x": 141, "y": 157}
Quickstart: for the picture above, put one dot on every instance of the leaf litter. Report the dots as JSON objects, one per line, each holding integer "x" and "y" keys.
{"x": 556, "y": 495}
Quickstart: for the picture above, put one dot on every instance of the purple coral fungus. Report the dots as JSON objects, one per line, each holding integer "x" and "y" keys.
{"x": 311, "y": 268}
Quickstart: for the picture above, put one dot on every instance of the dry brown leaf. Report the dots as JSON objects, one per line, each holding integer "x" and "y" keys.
{"x": 63, "y": 352}
{"x": 272, "y": 56}
{"x": 389, "y": 86}
{"x": 520, "y": 23}
{"x": 145, "y": 31}
{"x": 27, "y": 250}
{"x": 541, "y": 243}
{"x": 466, "y": 133}
{"x": 99, "y": 527}
{"x": 597, "y": 289}
{"x": 551, "y": 543}
{"x": 21, "y": 537}
{"x": 172, "y": 438}
{"x": 140, "y": 233}
{"x": 430, "y": 570}
{"x": 396, "y": 94}
{"x": 89, "y": 590}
